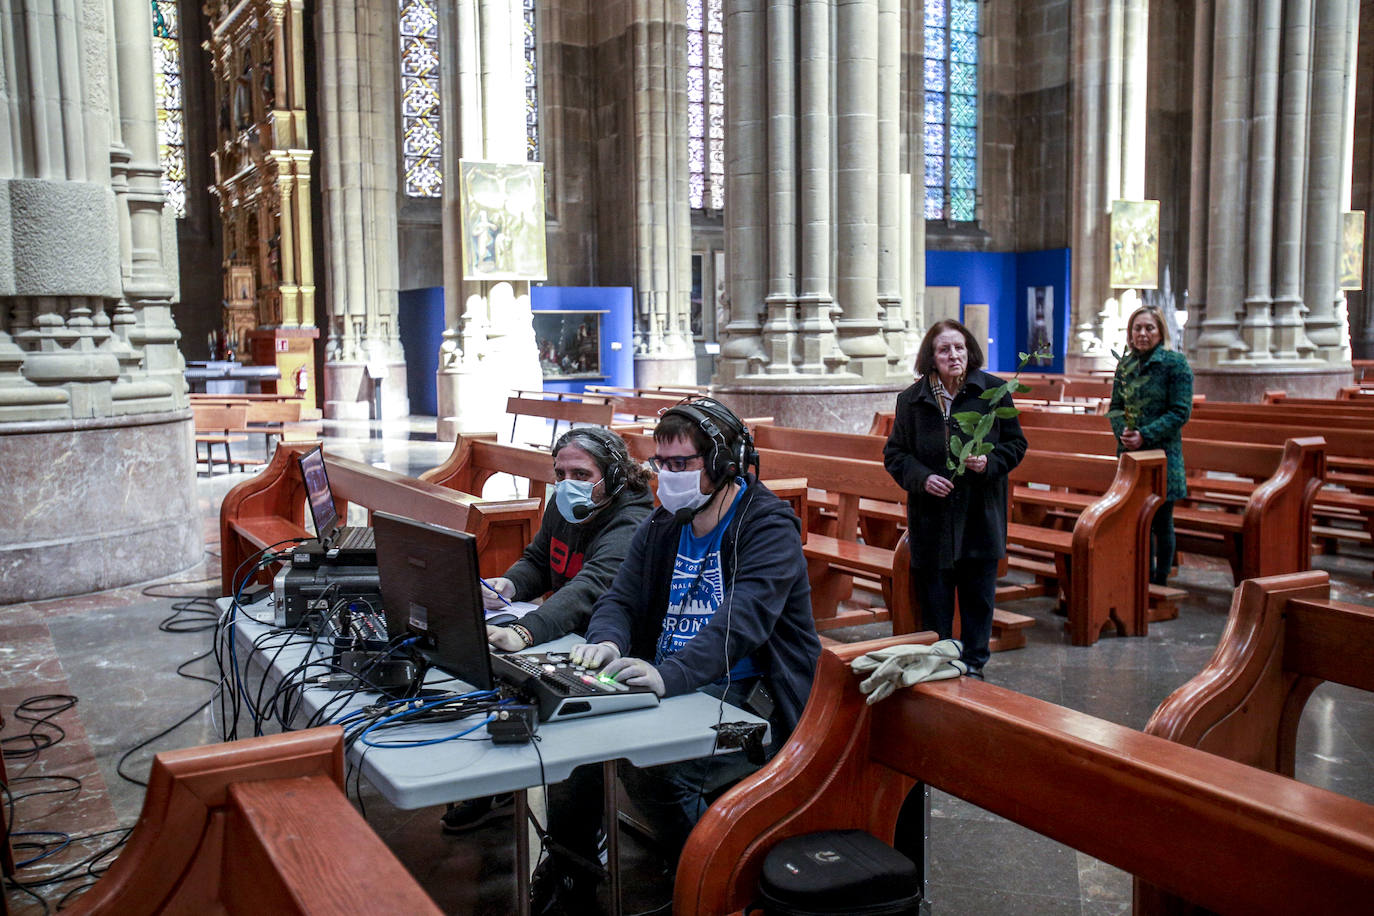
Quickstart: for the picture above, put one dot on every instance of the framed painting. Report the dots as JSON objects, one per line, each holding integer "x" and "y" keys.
{"x": 569, "y": 344}
{"x": 1135, "y": 244}
{"x": 503, "y": 220}
{"x": 1352, "y": 249}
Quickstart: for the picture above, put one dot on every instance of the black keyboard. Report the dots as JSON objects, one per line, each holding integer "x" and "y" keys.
{"x": 355, "y": 539}
{"x": 563, "y": 690}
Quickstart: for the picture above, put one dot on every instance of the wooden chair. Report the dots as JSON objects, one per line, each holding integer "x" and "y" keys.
{"x": 255, "y": 826}
{"x": 562, "y": 408}
{"x": 222, "y": 426}
{"x": 1218, "y": 833}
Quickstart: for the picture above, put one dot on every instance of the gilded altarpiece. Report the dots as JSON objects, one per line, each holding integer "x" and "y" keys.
{"x": 262, "y": 159}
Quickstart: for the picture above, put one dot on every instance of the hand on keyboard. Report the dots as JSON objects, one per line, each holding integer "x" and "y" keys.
{"x": 593, "y": 655}
{"x": 636, "y": 672}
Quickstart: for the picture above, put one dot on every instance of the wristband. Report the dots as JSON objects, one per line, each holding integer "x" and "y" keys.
{"x": 523, "y": 634}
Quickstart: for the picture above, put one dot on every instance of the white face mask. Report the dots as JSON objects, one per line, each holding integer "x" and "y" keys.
{"x": 679, "y": 490}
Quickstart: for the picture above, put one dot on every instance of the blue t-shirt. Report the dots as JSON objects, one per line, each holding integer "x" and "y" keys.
{"x": 697, "y": 589}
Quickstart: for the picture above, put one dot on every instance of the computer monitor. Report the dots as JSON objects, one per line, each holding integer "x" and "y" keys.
{"x": 430, "y": 590}
{"x": 317, "y": 492}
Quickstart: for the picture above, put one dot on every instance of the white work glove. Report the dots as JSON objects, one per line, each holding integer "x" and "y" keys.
{"x": 593, "y": 655}
{"x": 636, "y": 672}
{"x": 901, "y": 666}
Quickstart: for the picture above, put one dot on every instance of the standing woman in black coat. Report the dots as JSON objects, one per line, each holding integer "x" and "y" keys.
{"x": 956, "y": 523}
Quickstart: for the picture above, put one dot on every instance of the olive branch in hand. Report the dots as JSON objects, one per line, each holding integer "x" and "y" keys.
{"x": 1130, "y": 380}
{"x": 977, "y": 425}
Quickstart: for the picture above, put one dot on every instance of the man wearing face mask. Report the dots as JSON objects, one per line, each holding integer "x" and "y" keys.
{"x": 713, "y": 595}
{"x": 600, "y": 497}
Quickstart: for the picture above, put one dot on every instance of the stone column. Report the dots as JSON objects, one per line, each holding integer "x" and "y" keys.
{"x": 815, "y": 211}
{"x": 664, "y": 352}
{"x": 488, "y": 347}
{"x": 746, "y": 182}
{"x": 1270, "y": 241}
{"x": 1088, "y": 221}
{"x": 1228, "y": 170}
{"x": 1330, "y": 62}
{"x": 95, "y": 440}
{"x": 358, "y": 119}
{"x": 1256, "y": 330}
{"x": 1289, "y": 339}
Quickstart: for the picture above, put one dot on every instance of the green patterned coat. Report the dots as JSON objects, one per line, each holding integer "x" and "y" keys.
{"x": 1164, "y": 402}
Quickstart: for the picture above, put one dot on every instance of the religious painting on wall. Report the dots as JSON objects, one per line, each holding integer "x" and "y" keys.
{"x": 503, "y": 220}
{"x": 1352, "y": 249}
{"x": 1040, "y": 324}
{"x": 1135, "y": 244}
{"x": 569, "y": 344}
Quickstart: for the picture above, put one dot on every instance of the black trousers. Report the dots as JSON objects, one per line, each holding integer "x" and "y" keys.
{"x": 1162, "y": 543}
{"x": 671, "y": 797}
{"x": 975, "y": 583}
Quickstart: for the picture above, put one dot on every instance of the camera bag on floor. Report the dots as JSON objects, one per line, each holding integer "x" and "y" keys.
{"x": 838, "y": 871}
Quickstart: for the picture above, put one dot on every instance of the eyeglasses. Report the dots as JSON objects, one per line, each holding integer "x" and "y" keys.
{"x": 674, "y": 463}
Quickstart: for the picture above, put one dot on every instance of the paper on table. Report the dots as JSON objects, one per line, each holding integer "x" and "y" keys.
{"x": 518, "y": 608}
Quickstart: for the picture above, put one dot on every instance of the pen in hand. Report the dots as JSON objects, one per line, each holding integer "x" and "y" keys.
{"x": 497, "y": 592}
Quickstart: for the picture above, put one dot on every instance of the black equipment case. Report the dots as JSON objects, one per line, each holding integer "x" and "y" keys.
{"x": 838, "y": 871}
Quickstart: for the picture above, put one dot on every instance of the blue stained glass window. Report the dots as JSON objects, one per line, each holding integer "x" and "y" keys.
{"x": 950, "y": 135}
{"x": 935, "y": 139}
{"x": 963, "y": 141}
{"x": 935, "y": 203}
{"x": 935, "y": 43}
{"x": 171, "y": 140}
{"x": 935, "y": 76}
{"x": 531, "y": 83}
{"x": 935, "y": 108}
{"x": 706, "y": 104}
{"x": 421, "y": 150}
{"x": 936, "y": 13}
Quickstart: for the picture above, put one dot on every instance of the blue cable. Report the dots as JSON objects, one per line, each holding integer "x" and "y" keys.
{"x": 363, "y": 737}
{"x": 66, "y": 841}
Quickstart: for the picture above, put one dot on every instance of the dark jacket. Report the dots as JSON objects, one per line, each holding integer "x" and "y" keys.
{"x": 970, "y": 523}
{"x": 575, "y": 562}
{"x": 1165, "y": 401}
{"x": 767, "y": 593}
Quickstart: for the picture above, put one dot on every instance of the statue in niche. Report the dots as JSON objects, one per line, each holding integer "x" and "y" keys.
{"x": 243, "y": 89}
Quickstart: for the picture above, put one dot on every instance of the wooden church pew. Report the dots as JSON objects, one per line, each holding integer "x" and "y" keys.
{"x": 1284, "y": 638}
{"x": 270, "y": 508}
{"x": 254, "y": 826}
{"x": 1219, "y": 833}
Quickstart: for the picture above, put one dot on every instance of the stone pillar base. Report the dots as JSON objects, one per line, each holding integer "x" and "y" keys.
{"x": 651, "y": 372}
{"x": 838, "y": 408}
{"x": 349, "y": 392}
{"x": 1249, "y": 385}
{"x": 96, "y": 504}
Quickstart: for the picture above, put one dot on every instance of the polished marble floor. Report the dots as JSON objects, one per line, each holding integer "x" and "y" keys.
{"x": 109, "y": 651}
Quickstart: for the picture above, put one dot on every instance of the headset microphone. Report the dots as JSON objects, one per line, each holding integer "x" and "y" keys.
{"x": 580, "y": 511}
{"x": 684, "y": 515}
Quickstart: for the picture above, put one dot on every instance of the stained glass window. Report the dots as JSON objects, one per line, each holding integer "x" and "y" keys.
{"x": 421, "y": 150}
{"x": 705, "y": 104}
{"x": 951, "y": 109}
{"x": 171, "y": 132}
{"x": 531, "y": 85}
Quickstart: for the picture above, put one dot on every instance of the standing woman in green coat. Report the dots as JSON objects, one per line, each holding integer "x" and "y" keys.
{"x": 1152, "y": 397}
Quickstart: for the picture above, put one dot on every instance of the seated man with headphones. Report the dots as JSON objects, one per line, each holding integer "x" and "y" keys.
{"x": 600, "y": 497}
{"x": 712, "y": 595}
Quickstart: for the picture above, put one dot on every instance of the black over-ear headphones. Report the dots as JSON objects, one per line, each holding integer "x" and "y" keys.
{"x": 606, "y": 448}
{"x": 720, "y": 425}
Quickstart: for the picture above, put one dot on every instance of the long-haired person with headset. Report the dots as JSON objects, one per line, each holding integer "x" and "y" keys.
{"x": 713, "y": 595}
{"x": 600, "y": 496}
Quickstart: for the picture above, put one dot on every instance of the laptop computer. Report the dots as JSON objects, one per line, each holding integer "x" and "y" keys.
{"x": 431, "y": 590}
{"x": 350, "y": 545}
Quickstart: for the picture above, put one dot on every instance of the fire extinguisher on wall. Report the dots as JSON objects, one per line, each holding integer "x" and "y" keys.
{"x": 302, "y": 376}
